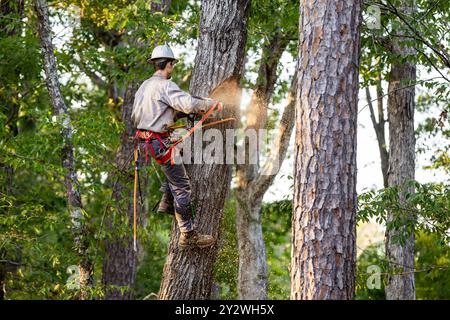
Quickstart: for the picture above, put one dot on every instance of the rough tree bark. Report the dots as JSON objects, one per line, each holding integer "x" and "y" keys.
{"x": 252, "y": 277}
{"x": 323, "y": 222}
{"x": 71, "y": 182}
{"x": 188, "y": 274}
{"x": 401, "y": 104}
{"x": 120, "y": 264}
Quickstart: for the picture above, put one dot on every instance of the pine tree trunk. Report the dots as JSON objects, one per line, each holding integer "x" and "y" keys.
{"x": 121, "y": 261}
{"x": 60, "y": 109}
{"x": 323, "y": 224}
{"x": 401, "y": 105}
{"x": 188, "y": 274}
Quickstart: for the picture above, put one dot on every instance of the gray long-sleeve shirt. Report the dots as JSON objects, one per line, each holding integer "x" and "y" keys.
{"x": 158, "y": 100}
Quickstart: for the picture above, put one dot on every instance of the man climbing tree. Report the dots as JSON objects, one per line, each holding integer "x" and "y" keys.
{"x": 155, "y": 108}
{"x": 218, "y": 69}
{"x": 121, "y": 262}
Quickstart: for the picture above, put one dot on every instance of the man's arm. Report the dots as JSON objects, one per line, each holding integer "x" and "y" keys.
{"x": 184, "y": 102}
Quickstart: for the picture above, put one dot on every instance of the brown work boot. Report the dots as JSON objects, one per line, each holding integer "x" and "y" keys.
{"x": 192, "y": 239}
{"x": 166, "y": 205}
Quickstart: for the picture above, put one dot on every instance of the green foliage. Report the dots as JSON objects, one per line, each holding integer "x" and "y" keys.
{"x": 150, "y": 271}
{"x": 423, "y": 207}
{"x": 370, "y": 268}
{"x": 277, "y": 236}
{"x": 433, "y": 257}
{"x": 105, "y": 45}
{"x": 432, "y": 263}
{"x": 424, "y": 32}
{"x": 270, "y": 16}
{"x": 35, "y": 233}
{"x": 267, "y": 18}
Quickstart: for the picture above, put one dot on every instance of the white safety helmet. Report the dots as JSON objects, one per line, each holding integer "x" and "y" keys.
{"x": 163, "y": 52}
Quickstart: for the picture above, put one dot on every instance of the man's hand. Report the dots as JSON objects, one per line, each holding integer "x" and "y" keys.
{"x": 213, "y": 102}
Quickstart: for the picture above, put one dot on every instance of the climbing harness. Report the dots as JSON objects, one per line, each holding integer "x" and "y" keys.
{"x": 165, "y": 152}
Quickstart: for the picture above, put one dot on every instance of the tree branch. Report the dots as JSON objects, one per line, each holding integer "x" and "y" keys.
{"x": 95, "y": 78}
{"x": 442, "y": 55}
{"x": 372, "y": 112}
{"x": 400, "y": 88}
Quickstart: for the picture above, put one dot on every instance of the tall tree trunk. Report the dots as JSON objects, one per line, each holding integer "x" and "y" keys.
{"x": 60, "y": 109}
{"x": 252, "y": 277}
{"x": 323, "y": 223}
{"x": 121, "y": 261}
{"x": 401, "y": 104}
{"x": 188, "y": 274}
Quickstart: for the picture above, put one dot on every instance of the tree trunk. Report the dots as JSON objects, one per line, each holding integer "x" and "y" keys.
{"x": 60, "y": 109}
{"x": 188, "y": 274}
{"x": 401, "y": 104}
{"x": 323, "y": 223}
{"x": 121, "y": 261}
{"x": 252, "y": 278}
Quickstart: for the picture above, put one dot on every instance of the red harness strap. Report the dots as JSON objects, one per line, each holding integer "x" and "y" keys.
{"x": 147, "y": 136}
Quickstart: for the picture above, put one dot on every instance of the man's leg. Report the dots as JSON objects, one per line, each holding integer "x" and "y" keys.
{"x": 180, "y": 187}
{"x": 166, "y": 202}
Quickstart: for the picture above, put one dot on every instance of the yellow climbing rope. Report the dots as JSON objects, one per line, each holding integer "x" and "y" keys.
{"x": 135, "y": 197}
